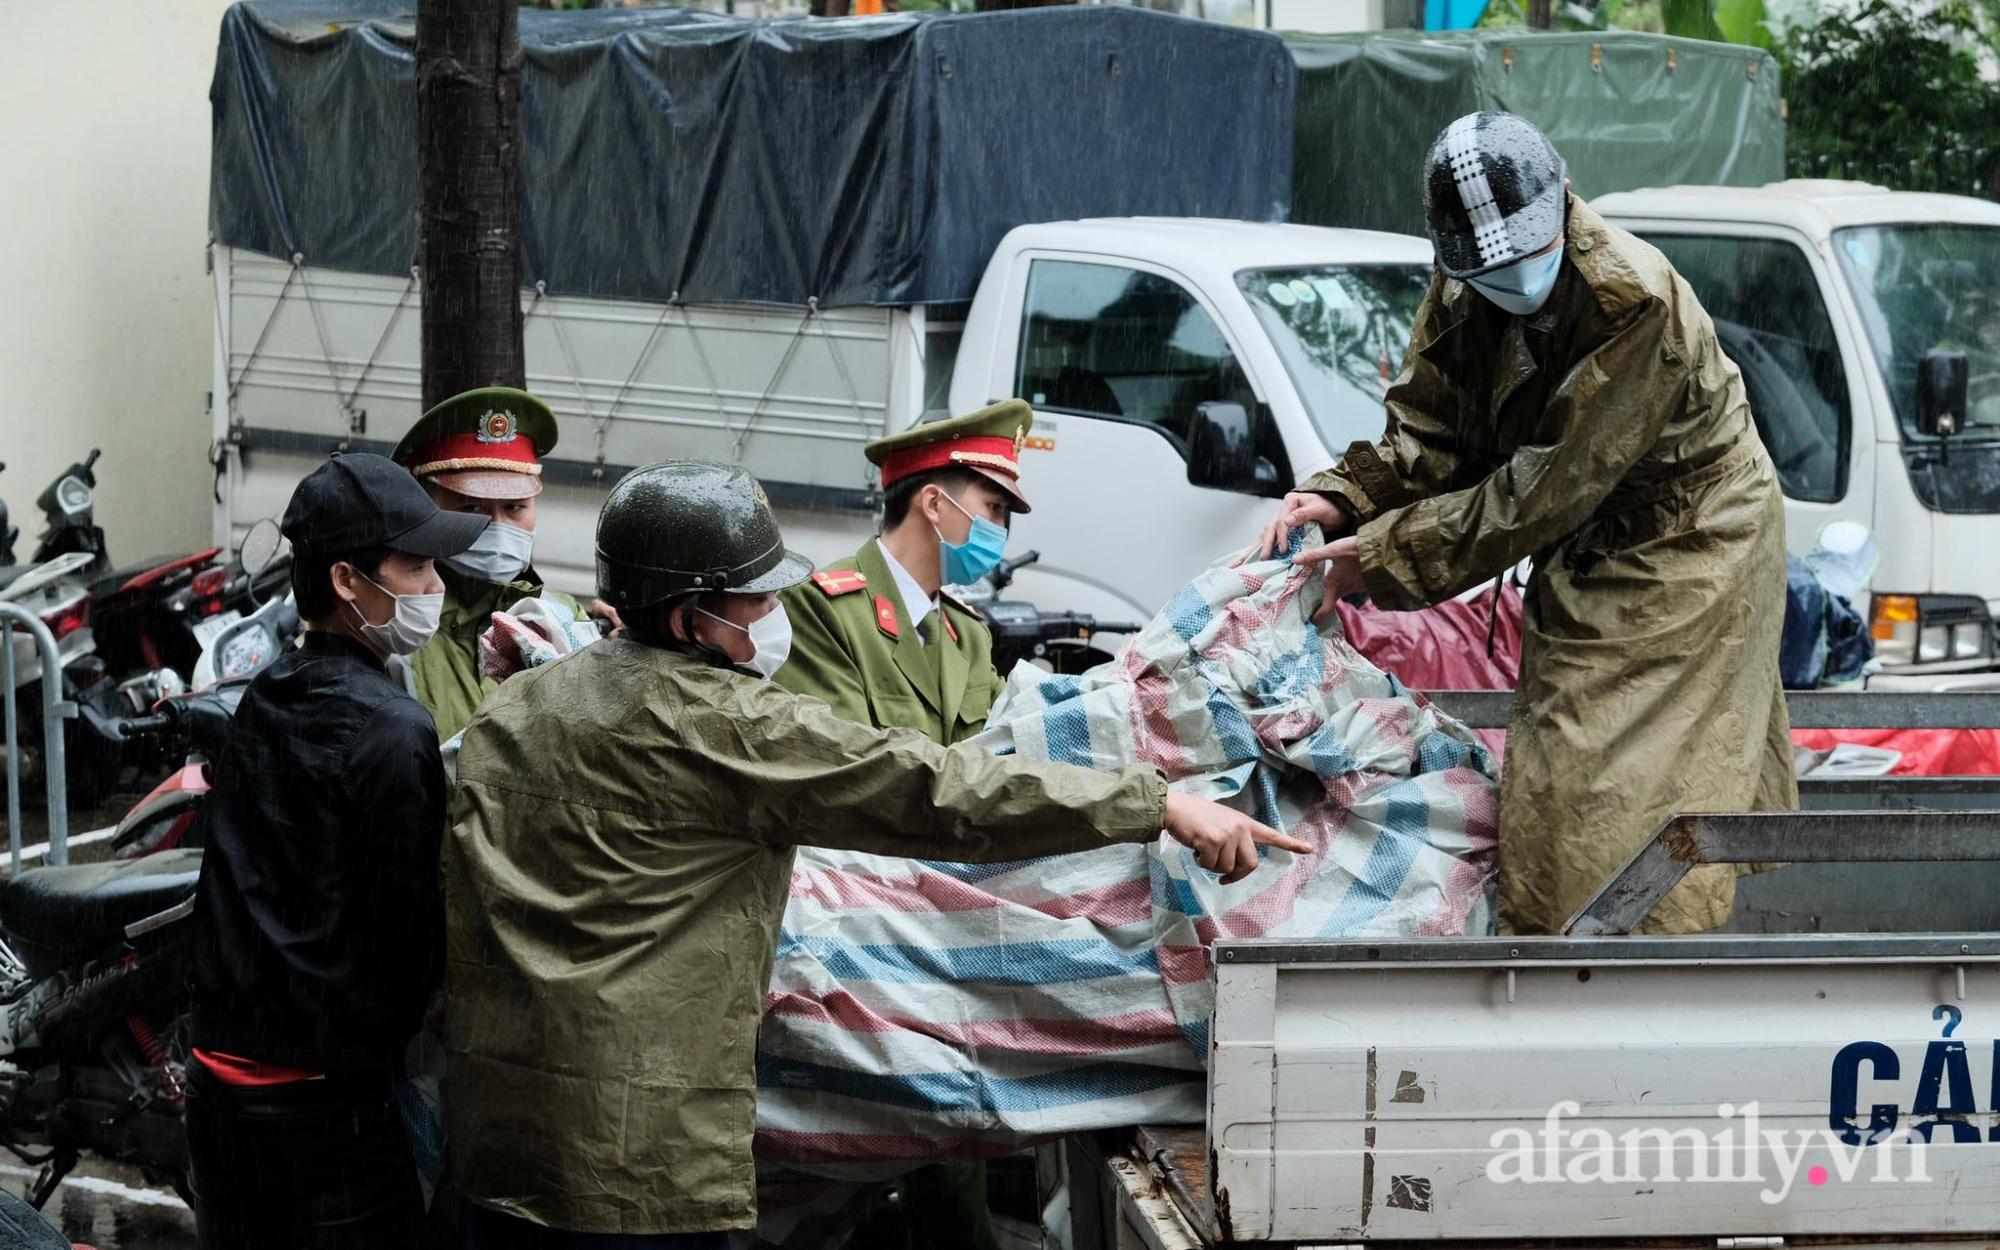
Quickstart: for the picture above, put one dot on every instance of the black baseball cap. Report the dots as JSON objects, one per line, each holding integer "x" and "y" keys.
{"x": 357, "y": 501}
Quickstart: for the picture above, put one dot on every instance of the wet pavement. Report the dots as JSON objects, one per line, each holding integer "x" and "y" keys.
{"x": 110, "y": 1207}
{"x": 82, "y": 822}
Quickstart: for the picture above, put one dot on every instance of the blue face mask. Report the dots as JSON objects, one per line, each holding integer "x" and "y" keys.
{"x": 967, "y": 562}
{"x": 1522, "y": 287}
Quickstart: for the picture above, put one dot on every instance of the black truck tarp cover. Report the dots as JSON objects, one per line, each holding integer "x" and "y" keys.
{"x": 670, "y": 153}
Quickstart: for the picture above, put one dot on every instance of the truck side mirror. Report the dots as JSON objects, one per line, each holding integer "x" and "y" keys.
{"x": 1942, "y": 378}
{"x": 1222, "y": 451}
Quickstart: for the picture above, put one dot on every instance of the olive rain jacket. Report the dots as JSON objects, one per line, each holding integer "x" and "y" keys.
{"x": 614, "y": 878}
{"x": 1608, "y": 437}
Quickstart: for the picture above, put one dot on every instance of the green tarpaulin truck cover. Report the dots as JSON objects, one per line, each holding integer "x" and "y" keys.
{"x": 1625, "y": 109}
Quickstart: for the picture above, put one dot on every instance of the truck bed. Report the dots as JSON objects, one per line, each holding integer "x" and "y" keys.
{"x": 1602, "y": 1090}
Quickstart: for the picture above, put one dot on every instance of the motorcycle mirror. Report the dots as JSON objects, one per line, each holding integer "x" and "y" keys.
{"x": 260, "y": 546}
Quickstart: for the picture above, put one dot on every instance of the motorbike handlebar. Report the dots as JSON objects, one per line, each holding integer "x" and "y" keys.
{"x": 140, "y": 726}
{"x": 1003, "y": 572}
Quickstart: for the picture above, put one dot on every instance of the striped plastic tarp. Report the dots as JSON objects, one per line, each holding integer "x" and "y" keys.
{"x": 921, "y": 1009}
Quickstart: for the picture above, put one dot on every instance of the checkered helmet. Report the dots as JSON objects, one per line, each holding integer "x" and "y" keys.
{"x": 1493, "y": 193}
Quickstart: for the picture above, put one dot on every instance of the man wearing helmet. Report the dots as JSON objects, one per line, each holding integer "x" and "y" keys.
{"x": 621, "y": 854}
{"x": 1564, "y": 399}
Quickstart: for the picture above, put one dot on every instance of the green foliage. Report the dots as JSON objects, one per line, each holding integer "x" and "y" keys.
{"x": 1580, "y": 15}
{"x": 1742, "y": 21}
{"x": 1691, "y": 19}
{"x": 1894, "y": 96}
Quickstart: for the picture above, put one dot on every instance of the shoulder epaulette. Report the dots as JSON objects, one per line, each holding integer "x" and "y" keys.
{"x": 961, "y": 605}
{"x": 838, "y": 582}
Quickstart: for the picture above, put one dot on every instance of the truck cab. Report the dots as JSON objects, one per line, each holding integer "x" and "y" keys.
{"x": 1830, "y": 296}
{"x": 1184, "y": 373}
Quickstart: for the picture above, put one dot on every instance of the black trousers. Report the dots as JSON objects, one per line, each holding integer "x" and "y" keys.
{"x": 312, "y": 1165}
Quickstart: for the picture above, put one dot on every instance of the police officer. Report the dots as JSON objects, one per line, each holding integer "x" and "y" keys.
{"x": 479, "y": 452}
{"x": 877, "y": 638}
{"x": 874, "y": 635}
{"x": 620, "y": 857}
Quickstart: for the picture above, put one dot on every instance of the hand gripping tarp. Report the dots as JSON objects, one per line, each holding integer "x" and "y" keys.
{"x": 920, "y": 1009}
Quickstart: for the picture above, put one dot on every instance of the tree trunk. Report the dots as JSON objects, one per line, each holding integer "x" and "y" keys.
{"x": 1539, "y": 15}
{"x": 468, "y": 106}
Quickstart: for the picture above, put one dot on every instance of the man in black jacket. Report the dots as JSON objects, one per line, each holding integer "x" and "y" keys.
{"x": 318, "y": 929}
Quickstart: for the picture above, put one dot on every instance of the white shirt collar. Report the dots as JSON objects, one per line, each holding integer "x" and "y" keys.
{"x": 916, "y": 604}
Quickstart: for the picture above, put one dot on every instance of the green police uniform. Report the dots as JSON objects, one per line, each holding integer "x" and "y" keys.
{"x": 485, "y": 444}
{"x": 855, "y": 646}
{"x": 853, "y": 642}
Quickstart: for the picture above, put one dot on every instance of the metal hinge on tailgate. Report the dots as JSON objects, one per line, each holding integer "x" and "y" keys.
{"x": 1749, "y": 1243}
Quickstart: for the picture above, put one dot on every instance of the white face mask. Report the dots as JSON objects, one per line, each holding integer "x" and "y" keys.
{"x": 413, "y": 623}
{"x": 1522, "y": 287}
{"x": 499, "y": 554}
{"x": 770, "y": 633}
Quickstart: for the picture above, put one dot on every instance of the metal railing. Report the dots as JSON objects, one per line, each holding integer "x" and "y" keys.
{"x": 1832, "y": 709}
{"x": 1810, "y": 709}
{"x": 1864, "y": 837}
{"x": 55, "y": 710}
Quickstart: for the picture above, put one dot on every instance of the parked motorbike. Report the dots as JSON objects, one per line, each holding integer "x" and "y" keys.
{"x": 93, "y": 1016}
{"x": 51, "y": 587}
{"x": 93, "y": 959}
{"x": 190, "y": 727}
{"x": 137, "y": 626}
{"x": 1055, "y": 641}
{"x": 194, "y": 726}
{"x": 1062, "y": 642}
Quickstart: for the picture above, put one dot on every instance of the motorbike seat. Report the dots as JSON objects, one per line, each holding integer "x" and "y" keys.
{"x": 52, "y": 916}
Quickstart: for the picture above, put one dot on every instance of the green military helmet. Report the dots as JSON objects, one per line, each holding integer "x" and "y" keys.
{"x": 683, "y": 526}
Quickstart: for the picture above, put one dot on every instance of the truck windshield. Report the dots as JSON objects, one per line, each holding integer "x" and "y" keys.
{"x": 1924, "y": 287}
{"x": 1341, "y": 331}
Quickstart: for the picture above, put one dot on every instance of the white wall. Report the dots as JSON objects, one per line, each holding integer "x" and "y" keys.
{"x": 104, "y": 305}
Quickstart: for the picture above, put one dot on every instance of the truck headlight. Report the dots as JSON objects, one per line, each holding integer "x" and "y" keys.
{"x": 1933, "y": 644}
{"x": 1929, "y": 629}
{"x": 1968, "y": 642}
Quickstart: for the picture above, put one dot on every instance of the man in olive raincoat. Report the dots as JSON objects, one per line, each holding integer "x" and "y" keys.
{"x": 620, "y": 857}
{"x": 1564, "y": 398}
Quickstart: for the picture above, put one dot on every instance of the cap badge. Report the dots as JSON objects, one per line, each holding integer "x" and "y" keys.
{"x": 1020, "y": 439}
{"x": 497, "y": 426}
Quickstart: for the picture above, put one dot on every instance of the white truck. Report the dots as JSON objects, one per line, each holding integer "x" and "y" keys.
{"x": 1844, "y": 305}
{"x": 1184, "y": 374}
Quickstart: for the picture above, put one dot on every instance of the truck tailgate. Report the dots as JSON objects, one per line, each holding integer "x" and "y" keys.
{"x": 1501, "y": 1089}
